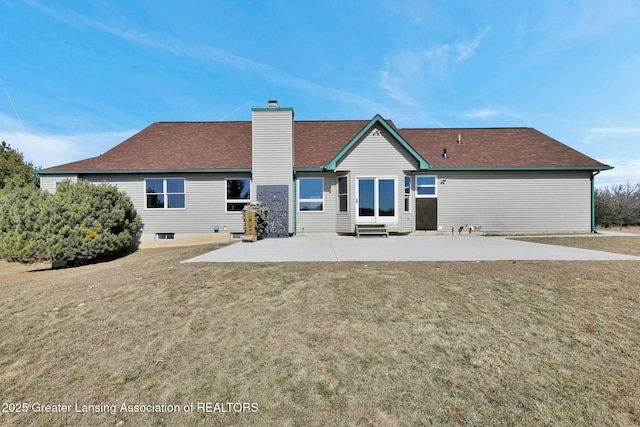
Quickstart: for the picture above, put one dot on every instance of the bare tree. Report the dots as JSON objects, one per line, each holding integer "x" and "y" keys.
{"x": 618, "y": 204}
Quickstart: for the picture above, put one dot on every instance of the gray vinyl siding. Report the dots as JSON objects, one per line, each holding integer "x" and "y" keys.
{"x": 272, "y": 151}
{"x": 319, "y": 222}
{"x": 48, "y": 182}
{"x": 205, "y": 205}
{"x": 515, "y": 202}
{"x": 378, "y": 155}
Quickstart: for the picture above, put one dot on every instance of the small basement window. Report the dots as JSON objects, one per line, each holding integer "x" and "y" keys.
{"x": 165, "y": 236}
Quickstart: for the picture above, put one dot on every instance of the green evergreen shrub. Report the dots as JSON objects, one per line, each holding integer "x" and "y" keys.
{"x": 22, "y": 223}
{"x": 81, "y": 222}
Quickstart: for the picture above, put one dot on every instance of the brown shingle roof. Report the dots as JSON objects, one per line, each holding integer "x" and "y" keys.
{"x": 317, "y": 142}
{"x": 227, "y": 145}
{"x": 494, "y": 148}
{"x": 176, "y": 146}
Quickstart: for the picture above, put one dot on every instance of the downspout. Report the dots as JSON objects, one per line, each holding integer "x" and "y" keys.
{"x": 593, "y": 202}
{"x": 295, "y": 204}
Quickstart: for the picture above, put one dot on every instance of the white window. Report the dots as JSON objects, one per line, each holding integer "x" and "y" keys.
{"x": 343, "y": 195}
{"x": 238, "y": 194}
{"x": 426, "y": 186}
{"x": 165, "y": 236}
{"x": 311, "y": 194}
{"x": 407, "y": 194}
{"x": 164, "y": 193}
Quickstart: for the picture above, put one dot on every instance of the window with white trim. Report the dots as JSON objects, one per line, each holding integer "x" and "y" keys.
{"x": 238, "y": 193}
{"x": 164, "y": 193}
{"x": 165, "y": 236}
{"x": 311, "y": 194}
{"x": 426, "y": 186}
{"x": 407, "y": 194}
{"x": 343, "y": 195}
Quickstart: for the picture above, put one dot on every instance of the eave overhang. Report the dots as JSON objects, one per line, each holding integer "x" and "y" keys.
{"x": 517, "y": 168}
{"x": 137, "y": 171}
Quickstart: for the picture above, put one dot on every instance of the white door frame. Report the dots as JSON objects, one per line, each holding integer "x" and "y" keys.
{"x": 376, "y": 218}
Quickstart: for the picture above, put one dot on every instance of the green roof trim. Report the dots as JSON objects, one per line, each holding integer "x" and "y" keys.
{"x": 320, "y": 169}
{"x": 377, "y": 119}
{"x": 272, "y": 109}
{"x": 519, "y": 168}
{"x": 146, "y": 171}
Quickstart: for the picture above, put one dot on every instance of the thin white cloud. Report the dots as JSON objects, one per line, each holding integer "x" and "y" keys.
{"x": 463, "y": 50}
{"x": 207, "y": 52}
{"x": 594, "y": 18}
{"x": 466, "y": 49}
{"x": 489, "y": 113}
{"x": 13, "y": 107}
{"x": 46, "y": 150}
{"x": 391, "y": 86}
{"x": 441, "y": 51}
{"x": 622, "y": 130}
{"x": 244, "y": 106}
{"x": 624, "y": 170}
{"x": 599, "y": 133}
{"x": 405, "y": 72}
{"x": 315, "y": 89}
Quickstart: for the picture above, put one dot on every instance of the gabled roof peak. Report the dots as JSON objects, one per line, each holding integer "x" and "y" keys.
{"x": 377, "y": 120}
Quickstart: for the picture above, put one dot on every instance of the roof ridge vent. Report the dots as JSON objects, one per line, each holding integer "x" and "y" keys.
{"x": 272, "y": 104}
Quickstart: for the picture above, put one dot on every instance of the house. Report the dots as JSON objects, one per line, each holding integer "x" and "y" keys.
{"x": 190, "y": 180}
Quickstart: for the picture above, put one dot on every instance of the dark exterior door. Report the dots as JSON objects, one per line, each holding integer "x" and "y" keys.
{"x": 427, "y": 213}
{"x": 276, "y": 198}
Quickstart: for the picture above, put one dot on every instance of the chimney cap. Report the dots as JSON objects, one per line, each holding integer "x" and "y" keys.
{"x": 272, "y": 103}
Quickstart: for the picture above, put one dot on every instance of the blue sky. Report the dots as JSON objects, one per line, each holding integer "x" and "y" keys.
{"x": 79, "y": 77}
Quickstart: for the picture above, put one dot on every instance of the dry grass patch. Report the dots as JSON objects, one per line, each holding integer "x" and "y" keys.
{"x": 489, "y": 343}
{"x": 629, "y": 245}
{"x": 629, "y": 229}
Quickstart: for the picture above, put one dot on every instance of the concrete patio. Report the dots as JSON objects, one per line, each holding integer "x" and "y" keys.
{"x": 401, "y": 248}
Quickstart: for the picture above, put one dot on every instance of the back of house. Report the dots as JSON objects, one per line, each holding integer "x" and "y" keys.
{"x": 190, "y": 181}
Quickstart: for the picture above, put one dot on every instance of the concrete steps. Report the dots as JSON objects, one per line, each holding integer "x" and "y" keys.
{"x": 372, "y": 230}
